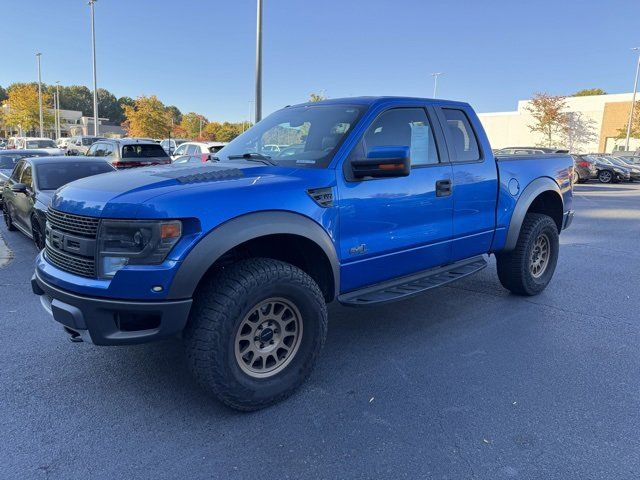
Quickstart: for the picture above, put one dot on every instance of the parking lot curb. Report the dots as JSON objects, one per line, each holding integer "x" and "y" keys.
{"x": 5, "y": 254}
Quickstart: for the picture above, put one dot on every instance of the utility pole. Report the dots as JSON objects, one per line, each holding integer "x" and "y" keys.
{"x": 259, "y": 63}
{"x": 38, "y": 55}
{"x": 95, "y": 80}
{"x": 435, "y": 82}
{"x": 633, "y": 101}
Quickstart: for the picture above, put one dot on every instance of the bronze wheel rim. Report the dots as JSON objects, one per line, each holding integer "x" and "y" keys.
{"x": 540, "y": 253}
{"x": 268, "y": 338}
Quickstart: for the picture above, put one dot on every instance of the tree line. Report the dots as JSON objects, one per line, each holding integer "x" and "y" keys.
{"x": 145, "y": 116}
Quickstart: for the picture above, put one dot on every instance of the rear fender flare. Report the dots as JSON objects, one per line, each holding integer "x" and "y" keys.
{"x": 535, "y": 188}
{"x": 241, "y": 229}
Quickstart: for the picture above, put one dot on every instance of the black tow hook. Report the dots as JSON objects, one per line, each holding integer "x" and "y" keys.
{"x": 73, "y": 335}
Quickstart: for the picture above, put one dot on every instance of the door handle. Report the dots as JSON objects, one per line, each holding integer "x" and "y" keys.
{"x": 443, "y": 188}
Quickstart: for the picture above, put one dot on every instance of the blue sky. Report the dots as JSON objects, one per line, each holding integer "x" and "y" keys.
{"x": 200, "y": 54}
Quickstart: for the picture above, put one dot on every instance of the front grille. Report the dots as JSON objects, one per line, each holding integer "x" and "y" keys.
{"x": 75, "y": 224}
{"x": 83, "y": 266}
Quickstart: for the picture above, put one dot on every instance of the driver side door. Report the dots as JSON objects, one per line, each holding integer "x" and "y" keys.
{"x": 390, "y": 227}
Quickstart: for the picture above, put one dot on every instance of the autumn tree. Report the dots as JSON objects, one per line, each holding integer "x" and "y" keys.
{"x": 588, "y": 92}
{"x": 24, "y": 109}
{"x": 578, "y": 131}
{"x": 635, "y": 123}
{"x": 3, "y": 95}
{"x": 316, "y": 97}
{"x": 549, "y": 116}
{"x": 148, "y": 117}
{"x": 192, "y": 123}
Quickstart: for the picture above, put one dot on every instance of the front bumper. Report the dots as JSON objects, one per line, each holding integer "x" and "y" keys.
{"x": 112, "y": 322}
{"x": 567, "y": 219}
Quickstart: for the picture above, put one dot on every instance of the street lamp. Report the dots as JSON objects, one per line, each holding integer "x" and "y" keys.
{"x": 633, "y": 100}
{"x": 95, "y": 80}
{"x": 435, "y": 82}
{"x": 259, "y": 63}
{"x": 59, "y": 127}
{"x": 38, "y": 55}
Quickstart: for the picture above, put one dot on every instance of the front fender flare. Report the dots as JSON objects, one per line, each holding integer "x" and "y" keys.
{"x": 241, "y": 229}
{"x": 529, "y": 194}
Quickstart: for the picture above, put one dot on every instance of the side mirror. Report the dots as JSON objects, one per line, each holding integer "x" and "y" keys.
{"x": 387, "y": 161}
{"x": 19, "y": 188}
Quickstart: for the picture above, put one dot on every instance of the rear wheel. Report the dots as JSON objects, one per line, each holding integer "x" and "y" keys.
{"x": 605, "y": 176}
{"x": 527, "y": 269}
{"x": 255, "y": 332}
{"x": 8, "y": 221}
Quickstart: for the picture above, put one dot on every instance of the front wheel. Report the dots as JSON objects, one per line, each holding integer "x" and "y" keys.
{"x": 255, "y": 332}
{"x": 37, "y": 233}
{"x": 527, "y": 269}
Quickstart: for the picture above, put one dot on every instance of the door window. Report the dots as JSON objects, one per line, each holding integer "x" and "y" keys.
{"x": 26, "y": 177}
{"x": 15, "y": 175}
{"x": 462, "y": 137}
{"x": 404, "y": 127}
{"x": 180, "y": 150}
{"x": 108, "y": 149}
{"x": 93, "y": 150}
{"x": 193, "y": 150}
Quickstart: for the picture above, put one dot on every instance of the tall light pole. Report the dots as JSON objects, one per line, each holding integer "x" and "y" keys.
{"x": 435, "y": 82}
{"x": 259, "y": 63}
{"x": 55, "y": 114}
{"x": 633, "y": 101}
{"x": 95, "y": 80}
{"x": 59, "y": 127}
{"x": 38, "y": 55}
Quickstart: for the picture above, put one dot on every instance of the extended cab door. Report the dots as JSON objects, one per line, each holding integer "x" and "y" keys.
{"x": 475, "y": 181}
{"x": 395, "y": 226}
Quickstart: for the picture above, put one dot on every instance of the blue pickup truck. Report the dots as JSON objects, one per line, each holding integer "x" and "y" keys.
{"x": 359, "y": 200}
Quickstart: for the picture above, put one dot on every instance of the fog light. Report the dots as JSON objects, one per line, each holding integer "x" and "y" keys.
{"x": 157, "y": 288}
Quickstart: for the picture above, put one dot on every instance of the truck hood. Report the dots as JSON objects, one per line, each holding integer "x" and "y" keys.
{"x": 129, "y": 193}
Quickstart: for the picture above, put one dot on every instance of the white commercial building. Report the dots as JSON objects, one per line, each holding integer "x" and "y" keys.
{"x": 600, "y": 117}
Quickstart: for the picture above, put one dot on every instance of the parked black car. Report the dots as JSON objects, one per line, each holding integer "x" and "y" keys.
{"x": 584, "y": 169}
{"x": 608, "y": 172}
{"x": 27, "y": 194}
{"x": 634, "y": 170}
{"x": 8, "y": 160}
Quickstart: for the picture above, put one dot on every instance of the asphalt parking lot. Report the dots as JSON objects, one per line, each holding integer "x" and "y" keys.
{"x": 463, "y": 382}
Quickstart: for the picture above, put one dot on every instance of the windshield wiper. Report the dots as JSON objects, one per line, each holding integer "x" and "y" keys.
{"x": 254, "y": 157}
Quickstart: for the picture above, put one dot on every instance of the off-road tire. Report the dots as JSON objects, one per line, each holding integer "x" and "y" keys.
{"x": 220, "y": 306}
{"x": 8, "y": 221}
{"x": 514, "y": 267}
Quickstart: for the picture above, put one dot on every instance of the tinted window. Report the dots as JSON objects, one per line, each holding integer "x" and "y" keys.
{"x": 26, "y": 177}
{"x": 143, "y": 150}
{"x": 318, "y": 131}
{"x": 52, "y": 176}
{"x": 15, "y": 175}
{"x": 405, "y": 127}
{"x": 40, "y": 144}
{"x": 462, "y": 137}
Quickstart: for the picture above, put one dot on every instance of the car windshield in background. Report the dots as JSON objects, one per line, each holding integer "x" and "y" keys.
{"x": 51, "y": 176}
{"x": 305, "y": 136}
{"x": 86, "y": 141}
{"x": 143, "y": 150}
{"x": 7, "y": 162}
{"x": 40, "y": 144}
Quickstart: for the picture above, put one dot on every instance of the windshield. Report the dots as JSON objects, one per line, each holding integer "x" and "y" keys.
{"x": 51, "y": 176}
{"x": 40, "y": 144}
{"x": 143, "y": 150}
{"x": 305, "y": 136}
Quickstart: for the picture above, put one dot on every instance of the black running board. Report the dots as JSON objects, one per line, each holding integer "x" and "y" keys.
{"x": 401, "y": 288}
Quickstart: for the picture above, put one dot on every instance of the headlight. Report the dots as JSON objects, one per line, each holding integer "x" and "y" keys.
{"x": 132, "y": 242}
